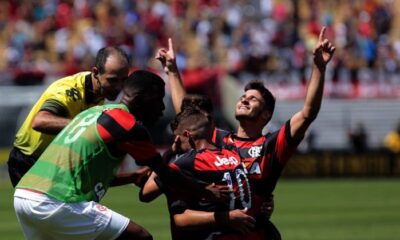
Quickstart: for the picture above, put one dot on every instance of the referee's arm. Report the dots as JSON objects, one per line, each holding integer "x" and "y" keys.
{"x": 51, "y": 118}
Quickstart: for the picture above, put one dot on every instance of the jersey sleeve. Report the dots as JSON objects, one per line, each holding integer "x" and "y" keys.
{"x": 285, "y": 144}
{"x": 176, "y": 205}
{"x": 120, "y": 130}
{"x": 220, "y": 137}
{"x": 184, "y": 163}
{"x": 159, "y": 181}
{"x": 55, "y": 108}
{"x": 67, "y": 98}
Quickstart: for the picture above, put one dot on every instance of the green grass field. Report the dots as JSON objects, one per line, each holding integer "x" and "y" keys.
{"x": 344, "y": 209}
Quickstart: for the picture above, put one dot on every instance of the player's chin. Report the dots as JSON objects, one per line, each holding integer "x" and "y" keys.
{"x": 241, "y": 113}
{"x": 151, "y": 120}
{"x": 112, "y": 97}
{"x": 242, "y": 116}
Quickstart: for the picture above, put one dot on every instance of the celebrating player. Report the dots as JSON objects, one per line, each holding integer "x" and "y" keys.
{"x": 61, "y": 102}
{"x": 202, "y": 160}
{"x": 265, "y": 156}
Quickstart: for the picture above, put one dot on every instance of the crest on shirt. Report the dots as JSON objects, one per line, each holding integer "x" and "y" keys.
{"x": 73, "y": 93}
{"x": 255, "y": 151}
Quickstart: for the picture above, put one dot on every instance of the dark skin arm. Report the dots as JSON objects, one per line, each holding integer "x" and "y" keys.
{"x": 138, "y": 177}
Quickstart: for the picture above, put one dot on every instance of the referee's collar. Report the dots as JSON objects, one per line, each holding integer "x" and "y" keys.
{"x": 89, "y": 89}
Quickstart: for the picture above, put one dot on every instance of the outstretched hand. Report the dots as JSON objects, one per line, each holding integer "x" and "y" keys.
{"x": 167, "y": 57}
{"x": 324, "y": 50}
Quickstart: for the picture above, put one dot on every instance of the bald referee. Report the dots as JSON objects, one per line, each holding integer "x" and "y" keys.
{"x": 61, "y": 102}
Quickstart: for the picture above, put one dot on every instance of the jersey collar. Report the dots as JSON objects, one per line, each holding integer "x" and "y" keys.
{"x": 89, "y": 89}
{"x": 234, "y": 136}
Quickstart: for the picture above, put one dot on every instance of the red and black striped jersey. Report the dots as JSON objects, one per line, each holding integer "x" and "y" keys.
{"x": 264, "y": 157}
{"x": 123, "y": 134}
{"x": 219, "y": 166}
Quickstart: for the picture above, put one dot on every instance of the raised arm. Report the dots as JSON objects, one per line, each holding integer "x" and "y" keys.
{"x": 168, "y": 62}
{"x": 322, "y": 54}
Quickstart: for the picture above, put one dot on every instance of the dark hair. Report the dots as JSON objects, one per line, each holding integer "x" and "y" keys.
{"x": 194, "y": 119}
{"x": 104, "y": 53}
{"x": 203, "y": 102}
{"x": 143, "y": 82}
{"x": 269, "y": 100}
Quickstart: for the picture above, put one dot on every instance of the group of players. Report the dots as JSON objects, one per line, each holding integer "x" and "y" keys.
{"x": 68, "y": 151}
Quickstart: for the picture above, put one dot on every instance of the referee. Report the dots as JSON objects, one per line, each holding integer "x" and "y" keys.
{"x": 61, "y": 102}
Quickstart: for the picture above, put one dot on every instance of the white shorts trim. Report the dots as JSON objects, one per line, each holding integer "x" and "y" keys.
{"x": 43, "y": 217}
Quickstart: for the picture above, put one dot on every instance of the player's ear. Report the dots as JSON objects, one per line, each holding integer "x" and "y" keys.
{"x": 189, "y": 135}
{"x": 95, "y": 72}
{"x": 186, "y": 133}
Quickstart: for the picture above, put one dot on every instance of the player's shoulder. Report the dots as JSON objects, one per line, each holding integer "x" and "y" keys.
{"x": 228, "y": 151}
{"x": 76, "y": 80}
{"x": 70, "y": 87}
{"x": 184, "y": 158}
{"x": 220, "y": 137}
{"x": 189, "y": 154}
{"x": 118, "y": 109}
{"x": 120, "y": 115}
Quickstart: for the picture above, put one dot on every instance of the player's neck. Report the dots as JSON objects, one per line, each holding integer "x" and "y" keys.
{"x": 203, "y": 144}
{"x": 97, "y": 96}
{"x": 248, "y": 130}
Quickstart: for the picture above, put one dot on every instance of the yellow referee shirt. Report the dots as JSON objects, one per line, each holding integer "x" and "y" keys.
{"x": 72, "y": 94}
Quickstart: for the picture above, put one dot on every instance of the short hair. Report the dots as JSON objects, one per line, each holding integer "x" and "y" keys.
{"x": 203, "y": 102}
{"x": 194, "y": 119}
{"x": 104, "y": 53}
{"x": 142, "y": 82}
{"x": 269, "y": 99}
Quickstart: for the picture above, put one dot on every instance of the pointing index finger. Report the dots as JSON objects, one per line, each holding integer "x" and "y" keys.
{"x": 170, "y": 46}
{"x": 322, "y": 34}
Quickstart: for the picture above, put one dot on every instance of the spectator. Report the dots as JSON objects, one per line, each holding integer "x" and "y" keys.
{"x": 392, "y": 145}
{"x": 257, "y": 39}
{"x": 358, "y": 138}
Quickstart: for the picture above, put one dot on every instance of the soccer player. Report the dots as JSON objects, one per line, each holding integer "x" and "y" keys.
{"x": 265, "y": 156}
{"x": 58, "y": 197}
{"x": 62, "y": 101}
{"x": 202, "y": 160}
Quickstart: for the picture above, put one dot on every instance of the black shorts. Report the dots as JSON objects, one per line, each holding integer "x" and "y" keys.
{"x": 18, "y": 165}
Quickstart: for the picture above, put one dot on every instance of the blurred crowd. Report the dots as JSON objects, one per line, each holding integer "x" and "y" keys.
{"x": 266, "y": 39}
